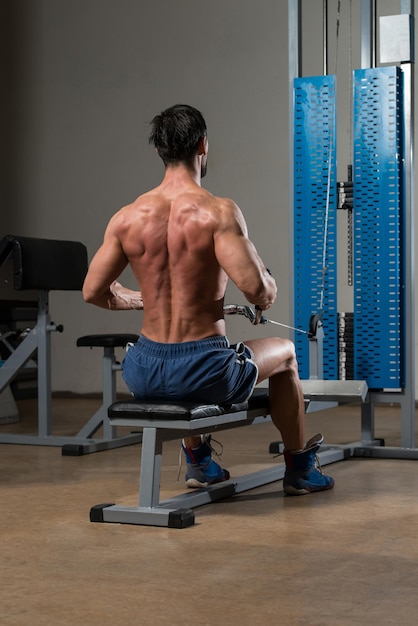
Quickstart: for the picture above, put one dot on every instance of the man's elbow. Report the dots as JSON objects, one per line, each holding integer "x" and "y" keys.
{"x": 262, "y": 296}
{"x": 89, "y": 295}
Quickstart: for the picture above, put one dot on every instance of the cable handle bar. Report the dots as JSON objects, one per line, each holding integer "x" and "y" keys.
{"x": 256, "y": 317}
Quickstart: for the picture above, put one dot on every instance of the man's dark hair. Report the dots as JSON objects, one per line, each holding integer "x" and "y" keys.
{"x": 176, "y": 133}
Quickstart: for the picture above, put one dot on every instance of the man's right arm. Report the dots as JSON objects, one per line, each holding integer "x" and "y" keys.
{"x": 239, "y": 258}
{"x": 100, "y": 285}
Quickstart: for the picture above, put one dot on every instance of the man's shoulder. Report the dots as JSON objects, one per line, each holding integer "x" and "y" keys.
{"x": 226, "y": 207}
{"x": 145, "y": 201}
{"x": 217, "y": 202}
{"x": 221, "y": 210}
{"x": 187, "y": 199}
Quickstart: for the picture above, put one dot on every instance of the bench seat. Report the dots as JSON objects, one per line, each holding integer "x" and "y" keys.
{"x": 169, "y": 421}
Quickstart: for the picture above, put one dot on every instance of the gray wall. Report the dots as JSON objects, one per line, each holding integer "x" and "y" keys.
{"x": 84, "y": 77}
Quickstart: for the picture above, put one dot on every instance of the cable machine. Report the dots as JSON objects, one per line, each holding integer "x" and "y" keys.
{"x": 375, "y": 342}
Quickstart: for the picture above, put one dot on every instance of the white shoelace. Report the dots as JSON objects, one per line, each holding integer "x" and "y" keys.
{"x": 205, "y": 439}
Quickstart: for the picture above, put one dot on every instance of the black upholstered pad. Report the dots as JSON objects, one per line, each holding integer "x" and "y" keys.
{"x": 184, "y": 410}
{"x": 45, "y": 264}
{"x": 109, "y": 340}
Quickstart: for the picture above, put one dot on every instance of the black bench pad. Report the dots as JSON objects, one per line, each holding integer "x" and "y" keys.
{"x": 184, "y": 410}
{"x": 45, "y": 264}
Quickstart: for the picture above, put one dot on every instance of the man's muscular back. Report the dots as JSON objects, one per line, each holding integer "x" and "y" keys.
{"x": 168, "y": 236}
{"x": 182, "y": 244}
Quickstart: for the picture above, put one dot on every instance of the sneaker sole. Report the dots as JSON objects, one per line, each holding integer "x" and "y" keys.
{"x": 192, "y": 483}
{"x": 293, "y": 491}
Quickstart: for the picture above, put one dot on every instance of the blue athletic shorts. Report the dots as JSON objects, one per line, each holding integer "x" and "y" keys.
{"x": 209, "y": 370}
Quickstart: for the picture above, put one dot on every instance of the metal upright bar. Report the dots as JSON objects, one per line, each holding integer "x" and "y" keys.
{"x": 109, "y": 387}
{"x": 407, "y": 6}
{"x": 367, "y": 34}
{"x": 367, "y": 60}
{"x": 44, "y": 367}
{"x": 295, "y": 70}
{"x": 408, "y": 412}
{"x": 325, "y": 37}
{"x": 151, "y": 461}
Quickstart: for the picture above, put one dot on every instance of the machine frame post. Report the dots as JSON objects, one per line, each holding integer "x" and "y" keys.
{"x": 405, "y": 397}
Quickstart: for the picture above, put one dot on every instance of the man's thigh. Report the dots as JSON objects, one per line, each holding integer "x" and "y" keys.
{"x": 271, "y": 354}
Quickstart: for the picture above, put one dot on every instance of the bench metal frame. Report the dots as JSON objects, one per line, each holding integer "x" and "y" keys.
{"x": 39, "y": 341}
{"x": 44, "y": 265}
{"x": 177, "y": 512}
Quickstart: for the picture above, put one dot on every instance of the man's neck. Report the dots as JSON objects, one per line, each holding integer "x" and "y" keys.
{"x": 182, "y": 174}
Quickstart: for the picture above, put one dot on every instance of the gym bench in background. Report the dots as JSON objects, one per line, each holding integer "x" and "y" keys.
{"x": 43, "y": 265}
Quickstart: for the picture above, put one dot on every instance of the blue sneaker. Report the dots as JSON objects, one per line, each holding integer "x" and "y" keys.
{"x": 202, "y": 470}
{"x": 303, "y": 472}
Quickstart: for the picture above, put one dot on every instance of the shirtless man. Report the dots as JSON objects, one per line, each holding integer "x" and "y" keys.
{"x": 183, "y": 244}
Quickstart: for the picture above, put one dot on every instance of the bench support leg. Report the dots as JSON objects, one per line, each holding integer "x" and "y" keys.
{"x": 177, "y": 512}
{"x": 100, "y": 419}
{"x": 150, "y": 476}
{"x": 39, "y": 341}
